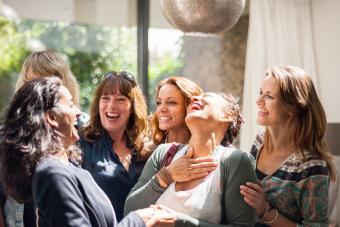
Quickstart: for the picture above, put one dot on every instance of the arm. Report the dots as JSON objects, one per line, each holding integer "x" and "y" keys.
{"x": 235, "y": 171}
{"x": 153, "y": 181}
{"x": 59, "y": 200}
{"x": 314, "y": 200}
{"x": 132, "y": 220}
{"x": 147, "y": 189}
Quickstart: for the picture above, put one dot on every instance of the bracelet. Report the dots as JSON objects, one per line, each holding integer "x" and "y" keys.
{"x": 266, "y": 209}
{"x": 274, "y": 219}
{"x": 165, "y": 176}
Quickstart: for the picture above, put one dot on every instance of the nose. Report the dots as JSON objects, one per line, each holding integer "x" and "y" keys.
{"x": 259, "y": 100}
{"x": 161, "y": 107}
{"x": 194, "y": 98}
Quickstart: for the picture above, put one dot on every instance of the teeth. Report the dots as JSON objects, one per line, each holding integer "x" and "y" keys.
{"x": 163, "y": 119}
{"x": 112, "y": 114}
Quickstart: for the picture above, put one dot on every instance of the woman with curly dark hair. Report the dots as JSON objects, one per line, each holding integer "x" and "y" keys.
{"x": 36, "y": 139}
{"x": 113, "y": 141}
{"x": 214, "y": 200}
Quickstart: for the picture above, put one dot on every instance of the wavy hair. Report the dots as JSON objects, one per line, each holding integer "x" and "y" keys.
{"x": 26, "y": 137}
{"x": 47, "y": 63}
{"x": 308, "y": 123}
{"x": 232, "y": 109}
{"x": 136, "y": 129}
{"x": 187, "y": 88}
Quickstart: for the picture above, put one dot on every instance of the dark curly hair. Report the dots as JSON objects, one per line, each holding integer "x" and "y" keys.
{"x": 26, "y": 137}
{"x": 233, "y": 109}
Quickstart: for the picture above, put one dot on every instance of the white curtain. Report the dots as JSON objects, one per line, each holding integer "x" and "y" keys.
{"x": 280, "y": 33}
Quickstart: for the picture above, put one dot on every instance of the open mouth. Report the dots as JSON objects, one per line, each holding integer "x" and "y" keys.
{"x": 163, "y": 119}
{"x": 112, "y": 116}
{"x": 195, "y": 106}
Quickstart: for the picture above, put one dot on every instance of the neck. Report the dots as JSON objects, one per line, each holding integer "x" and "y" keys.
{"x": 204, "y": 143}
{"x": 62, "y": 156}
{"x": 117, "y": 138}
{"x": 179, "y": 136}
{"x": 279, "y": 139}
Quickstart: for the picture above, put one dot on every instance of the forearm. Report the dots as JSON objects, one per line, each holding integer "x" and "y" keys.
{"x": 143, "y": 194}
{"x": 275, "y": 219}
{"x": 188, "y": 221}
{"x": 132, "y": 220}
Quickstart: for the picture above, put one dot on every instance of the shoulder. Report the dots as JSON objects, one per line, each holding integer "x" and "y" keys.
{"x": 52, "y": 169}
{"x": 257, "y": 144}
{"x": 232, "y": 158}
{"x": 303, "y": 167}
{"x": 161, "y": 149}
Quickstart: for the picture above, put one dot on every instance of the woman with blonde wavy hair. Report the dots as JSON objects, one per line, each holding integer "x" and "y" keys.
{"x": 47, "y": 63}
{"x": 292, "y": 161}
{"x": 113, "y": 141}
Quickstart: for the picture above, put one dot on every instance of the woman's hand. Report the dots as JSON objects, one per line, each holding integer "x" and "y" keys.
{"x": 254, "y": 196}
{"x": 187, "y": 168}
{"x": 158, "y": 216}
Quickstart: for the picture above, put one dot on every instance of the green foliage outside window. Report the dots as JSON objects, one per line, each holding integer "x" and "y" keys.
{"x": 89, "y": 49}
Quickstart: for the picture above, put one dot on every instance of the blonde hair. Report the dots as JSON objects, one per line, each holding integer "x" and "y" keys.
{"x": 299, "y": 97}
{"x": 187, "y": 88}
{"x": 48, "y": 63}
{"x": 136, "y": 130}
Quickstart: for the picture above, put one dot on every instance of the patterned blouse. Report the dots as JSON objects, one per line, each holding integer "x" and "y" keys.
{"x": 298, "y": 189}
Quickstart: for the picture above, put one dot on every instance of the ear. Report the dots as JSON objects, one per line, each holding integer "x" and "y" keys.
{"x": 51, "y": 119}
{"x": 227, "y": 117}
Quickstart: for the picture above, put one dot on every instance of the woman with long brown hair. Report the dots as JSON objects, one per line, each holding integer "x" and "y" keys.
{"x": 113, "y": 141}
{"x": 293, "y": 163}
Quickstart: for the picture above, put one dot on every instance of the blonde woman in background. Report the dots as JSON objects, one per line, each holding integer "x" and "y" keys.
{"x": 47, "y": 63}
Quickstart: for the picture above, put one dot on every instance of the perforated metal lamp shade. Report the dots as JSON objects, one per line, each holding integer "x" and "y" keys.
{"x": 202, "y": 16}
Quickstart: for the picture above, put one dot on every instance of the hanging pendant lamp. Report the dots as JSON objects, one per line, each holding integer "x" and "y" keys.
{"x": 202, "y": 16}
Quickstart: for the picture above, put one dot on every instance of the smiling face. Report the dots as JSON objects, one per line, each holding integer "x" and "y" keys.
{"x": 208, "y": 107}
{"x": 114, "y": 110}
{"x": 171, "y": 108}
{"x": 271, "y": 109}
{"x": 66, "y": 114}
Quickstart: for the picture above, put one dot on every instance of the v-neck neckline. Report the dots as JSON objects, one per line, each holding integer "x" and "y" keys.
{"x": 277, "y": 169}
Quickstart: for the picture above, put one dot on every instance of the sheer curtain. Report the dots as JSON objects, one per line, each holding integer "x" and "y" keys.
{"x": 280, "y": 33}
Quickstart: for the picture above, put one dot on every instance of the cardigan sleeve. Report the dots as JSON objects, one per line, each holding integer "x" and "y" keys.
{"x": 147, "y": 189}
{"x": 236, "y": 170}
{"x": 314, "y": 200}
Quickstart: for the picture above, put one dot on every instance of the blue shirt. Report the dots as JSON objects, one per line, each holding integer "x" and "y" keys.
{"x": 109, "y": 173}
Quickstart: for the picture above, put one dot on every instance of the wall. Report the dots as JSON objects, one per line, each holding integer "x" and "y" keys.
{"x": 326, "y": 18}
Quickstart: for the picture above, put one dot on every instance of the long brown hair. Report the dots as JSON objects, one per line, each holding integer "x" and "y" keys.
{"x": 47, "y": 63}
{"x": 187, "y": 88}
{"x": 308, "y": 123}
{"x": 136, "y": 129}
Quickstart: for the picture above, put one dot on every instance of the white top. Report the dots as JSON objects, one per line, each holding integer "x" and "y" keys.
{"x": 204, "y": 200}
